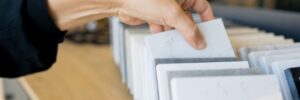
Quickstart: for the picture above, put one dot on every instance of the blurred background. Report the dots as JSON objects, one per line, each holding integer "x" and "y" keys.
{"x": 85, "y": 69}
{"x": 288, "y": 5}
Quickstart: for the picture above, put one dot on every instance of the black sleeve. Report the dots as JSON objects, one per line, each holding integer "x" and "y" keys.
{"x": 28, "y": 37}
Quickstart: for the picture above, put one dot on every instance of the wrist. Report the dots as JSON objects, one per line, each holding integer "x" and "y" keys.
{"x": 72, "y": 13}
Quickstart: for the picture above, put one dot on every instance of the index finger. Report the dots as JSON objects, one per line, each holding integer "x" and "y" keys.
{"x": 203, "y": 8}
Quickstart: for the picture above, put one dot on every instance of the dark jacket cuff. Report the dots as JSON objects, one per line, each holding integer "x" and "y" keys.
{"x": 37, "y": 11}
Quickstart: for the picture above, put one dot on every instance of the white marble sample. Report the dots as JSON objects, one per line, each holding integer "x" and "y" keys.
{"x": 256, "y": 87}
{"x": 132, "y": 34}
{"x": 171, "y": 44}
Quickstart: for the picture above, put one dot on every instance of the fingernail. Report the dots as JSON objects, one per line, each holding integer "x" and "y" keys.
{"x": 201, "y": 44}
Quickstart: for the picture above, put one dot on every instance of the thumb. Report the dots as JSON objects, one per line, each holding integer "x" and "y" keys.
{"x": 189, "y": 30}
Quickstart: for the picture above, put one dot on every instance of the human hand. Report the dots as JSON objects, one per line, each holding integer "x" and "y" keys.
{"x": 163, "y": 15}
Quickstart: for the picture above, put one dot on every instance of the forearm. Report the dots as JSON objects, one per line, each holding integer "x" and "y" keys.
{"x": 71, "y": 13}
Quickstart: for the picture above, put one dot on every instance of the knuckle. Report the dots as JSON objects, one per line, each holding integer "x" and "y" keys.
{"x": 176, "y": 11}
{"x": 173, "y": 14}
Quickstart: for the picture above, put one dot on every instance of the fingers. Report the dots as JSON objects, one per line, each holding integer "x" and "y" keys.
{"x": 188, "y": 4}
{"x": 186, "y": 26}
{"x": 203, "y": 8}
{"x": 130, "y": 20}
{"x": 167, "y": 28}
{"x": 156, "y": 28}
